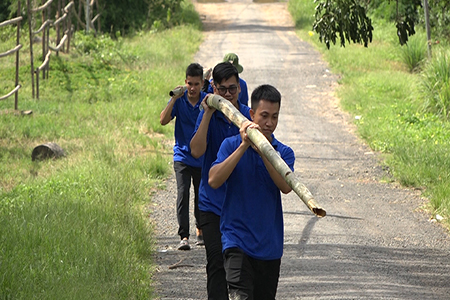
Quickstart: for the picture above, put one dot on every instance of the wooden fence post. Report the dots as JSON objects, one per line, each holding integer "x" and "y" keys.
{"x": 99, "y": 27}
{"x": 68, "y": 28}
{"x": 15, "y": 50}
{"x": 44, "y": 37}
{"x": 37, "y": 83}
{"x": 31, "y": 47}
{"x": 57, "y": 27}
{"x": 16, "y": 96}
{"x": 87, "y": 15}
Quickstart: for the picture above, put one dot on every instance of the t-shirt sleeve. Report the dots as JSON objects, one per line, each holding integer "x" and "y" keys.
{"x": 197, "y": 123}
{"x": 289, "y": 157}
{"x": 243, "y": 96}
{"x": 210, "y": 89}
{"x": 245, "y": 110}
{"x": 225, "y": 150}
{"x": 174, "y": 110}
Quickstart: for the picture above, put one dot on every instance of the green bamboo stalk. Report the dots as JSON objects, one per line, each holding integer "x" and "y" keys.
{"x": 261, "y": 142}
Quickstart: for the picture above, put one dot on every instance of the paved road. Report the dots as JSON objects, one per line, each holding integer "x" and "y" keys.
{"x": 375, "y": 242}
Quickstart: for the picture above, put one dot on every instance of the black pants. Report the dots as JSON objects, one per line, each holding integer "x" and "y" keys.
{"x": 216, "y": 282}
{"x": 249, "y": 278}
{"x": 183, "y": 174}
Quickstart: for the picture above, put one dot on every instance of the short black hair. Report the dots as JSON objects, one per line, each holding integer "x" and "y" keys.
{"x": 224, "y": 70}
{"x": 194, "y": 70}
{"x": 265, "y": 92}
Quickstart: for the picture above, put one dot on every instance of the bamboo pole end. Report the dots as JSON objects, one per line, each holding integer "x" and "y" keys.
{"x": 318, "y": 211}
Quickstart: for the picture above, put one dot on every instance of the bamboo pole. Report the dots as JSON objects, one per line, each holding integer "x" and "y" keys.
{"x": 261, "y": 142}
{"x": 177, "y": 91}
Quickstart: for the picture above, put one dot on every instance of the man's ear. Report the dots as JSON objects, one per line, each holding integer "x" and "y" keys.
{"x": 252, "y": 114}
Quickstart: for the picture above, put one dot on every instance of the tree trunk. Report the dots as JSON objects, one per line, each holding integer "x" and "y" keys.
{"x": 260, "y": 141}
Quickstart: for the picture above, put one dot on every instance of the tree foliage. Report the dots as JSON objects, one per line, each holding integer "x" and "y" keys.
{"x": 122, "y": 16}
{"x": 343, "y": 19}
{"x": 4, "y": 10}
{"x": 440, "y": 17}
{"x": 130, "y": 15}
{"x": 348, "y": 20}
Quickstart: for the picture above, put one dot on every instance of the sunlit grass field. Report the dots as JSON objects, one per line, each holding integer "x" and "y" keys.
{"x": 78, "y": 227}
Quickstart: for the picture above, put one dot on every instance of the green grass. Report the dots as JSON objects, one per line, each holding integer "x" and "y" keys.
{"x": 78, "y": 227}
{"x": 434, "y": 87}
{"x": 415, "y": 52}
{"x": 77, "y": 235}
{"x": 377, "y": 85}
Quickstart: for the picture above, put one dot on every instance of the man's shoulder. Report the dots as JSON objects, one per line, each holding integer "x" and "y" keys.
{"x": 233, "y": 139}
{"x": 202, "y": 95}
{"x": 277, "y": 142}
{"x": 182, "y": 100}
{"x": 229, "y": 144}
{"x": 281, "y": 147}
{"x": 245, "y": 110}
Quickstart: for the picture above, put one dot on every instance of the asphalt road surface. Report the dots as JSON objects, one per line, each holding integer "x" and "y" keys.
{"x": 376, "y": 242}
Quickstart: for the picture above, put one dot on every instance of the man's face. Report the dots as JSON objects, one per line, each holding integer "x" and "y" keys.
{"x": 194, "y": 84}
{"x": 266, "y": 116}
{"x": 229, "y": 89}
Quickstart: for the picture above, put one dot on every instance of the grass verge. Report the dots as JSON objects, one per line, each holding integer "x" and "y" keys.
{"x": 377, "y": 86}
{"x": 78, "y": 227}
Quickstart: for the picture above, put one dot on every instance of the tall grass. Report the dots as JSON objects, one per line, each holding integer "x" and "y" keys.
{"x": 78, "y": 227}
{"x": 434, "y": 89}
{"x": 377, "y": 85}
{"x": 414, "y": 52}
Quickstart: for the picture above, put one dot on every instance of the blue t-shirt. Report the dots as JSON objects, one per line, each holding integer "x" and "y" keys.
{"x": 243, "y": 95}
{"x": 210, "y": 200}
{"x": 186, "y": 116}
{"x": 252, "y": 216}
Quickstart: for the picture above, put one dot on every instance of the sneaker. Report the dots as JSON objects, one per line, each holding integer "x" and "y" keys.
{"x": 184, "y": 245}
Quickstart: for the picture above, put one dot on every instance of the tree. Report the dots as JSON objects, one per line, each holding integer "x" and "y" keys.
{"x": 4, "y": 10}
{"x": 348, "y": 20}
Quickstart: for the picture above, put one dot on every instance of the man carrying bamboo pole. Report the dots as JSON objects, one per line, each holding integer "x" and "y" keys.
{"x": 211, "y": 129}
{"x": 185, "y": 105}
{"x": 251, "y": 221}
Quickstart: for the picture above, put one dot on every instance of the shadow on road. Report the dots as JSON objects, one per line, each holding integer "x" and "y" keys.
{"x": 362, "y": 272}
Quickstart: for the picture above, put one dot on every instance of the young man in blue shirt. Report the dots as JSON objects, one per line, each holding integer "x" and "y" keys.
{"x": 243, "y": 94}
{"x": 251, "y": 219}
{"x": 185, "y": 107}
{"x": 211, "y": 129}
